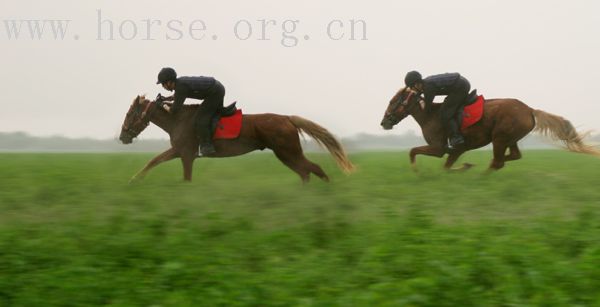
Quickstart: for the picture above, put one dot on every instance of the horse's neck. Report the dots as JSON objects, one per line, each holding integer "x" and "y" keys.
{"x": 163, "y": 120}
{"x": 429, "y": 121}
{"x": 423, "y": 117}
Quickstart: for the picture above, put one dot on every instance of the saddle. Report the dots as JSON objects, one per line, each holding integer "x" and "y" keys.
{"x": 228, "y": 110}
{"x": 471, "y": 112}
{"x": 471, "y": 98}
{"x": 224, "y": 112}
{"x": 227, "y": 123}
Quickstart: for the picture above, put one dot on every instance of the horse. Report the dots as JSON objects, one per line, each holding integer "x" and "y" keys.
{"x": 504, "y": 122}
{"x": 279, "y": 133}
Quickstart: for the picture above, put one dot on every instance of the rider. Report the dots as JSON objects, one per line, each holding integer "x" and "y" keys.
{"x": 206, "y": 88}
{"x": 455, "y": 86}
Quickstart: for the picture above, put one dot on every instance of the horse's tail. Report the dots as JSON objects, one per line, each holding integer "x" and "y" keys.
{"x": 325, "y": 139}
{"x": 559, "y": 128}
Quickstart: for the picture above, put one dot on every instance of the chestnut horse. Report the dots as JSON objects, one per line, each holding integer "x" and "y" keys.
{"x": 504, "y": 123}
{"x": 259, "y": 131}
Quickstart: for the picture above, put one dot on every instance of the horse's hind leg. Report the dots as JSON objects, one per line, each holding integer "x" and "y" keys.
{"x": 515, "y": 153}
{"x": 499, "y": 155}
{"x": 288, "y": 150}
{"x": 317, "y": 170}
{"x": 295, "y": 161}
{"x": 291, "y": 155}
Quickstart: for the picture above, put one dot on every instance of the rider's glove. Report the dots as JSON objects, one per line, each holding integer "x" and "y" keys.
{"x": 160, "y": 100}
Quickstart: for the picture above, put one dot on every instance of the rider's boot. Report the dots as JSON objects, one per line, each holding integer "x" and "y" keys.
{"x": 456, "y": 138}
{"x": 204, "y": 134}
{"x": 207, "y": 148}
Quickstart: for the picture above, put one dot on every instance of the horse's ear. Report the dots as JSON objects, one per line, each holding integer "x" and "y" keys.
{"x": 137, "y": 99}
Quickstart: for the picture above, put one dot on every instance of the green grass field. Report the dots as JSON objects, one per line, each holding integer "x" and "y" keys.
{"x": 246, "y": 232}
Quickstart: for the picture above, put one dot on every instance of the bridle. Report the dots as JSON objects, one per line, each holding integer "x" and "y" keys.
{"x": 143, "y": 119}
{"x": 391, "y": 116}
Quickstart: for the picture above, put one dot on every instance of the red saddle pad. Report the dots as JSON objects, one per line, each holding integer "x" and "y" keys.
{"x": 229, "y": 127}
{"x": 472, "y": 113}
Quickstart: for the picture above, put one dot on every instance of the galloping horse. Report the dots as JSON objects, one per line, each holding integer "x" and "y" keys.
{"x": 259, "y": 131}
{"x": 504, "y": 123}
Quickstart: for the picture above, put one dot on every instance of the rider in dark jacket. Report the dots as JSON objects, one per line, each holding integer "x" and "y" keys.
{"x": 455, "y": 87}
{"x": 205, "y": 88}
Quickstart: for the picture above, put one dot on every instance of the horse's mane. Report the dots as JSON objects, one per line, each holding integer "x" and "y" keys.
{"x": 170, "y": 104}
{"x": 434, "y": 106}
{"x": 185, "y": 106}
{"x": 398, "y": 94}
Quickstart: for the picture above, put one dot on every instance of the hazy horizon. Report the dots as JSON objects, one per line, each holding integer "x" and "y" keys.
{"x": 543, "y": 53}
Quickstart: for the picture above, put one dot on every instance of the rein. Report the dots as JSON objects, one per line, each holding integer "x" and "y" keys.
{"x": 143, "y": 119}
{"x": 392, "y": 115}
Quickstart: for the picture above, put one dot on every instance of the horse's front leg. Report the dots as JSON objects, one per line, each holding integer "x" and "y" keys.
{"x": 163, "y": 157}
{"x": 187, "y": 161}
{"x": 452, "y": 157}
{"x": 427, "y": 150}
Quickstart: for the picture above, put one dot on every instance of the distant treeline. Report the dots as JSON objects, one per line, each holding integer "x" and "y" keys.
{"x": 22, "y": 142}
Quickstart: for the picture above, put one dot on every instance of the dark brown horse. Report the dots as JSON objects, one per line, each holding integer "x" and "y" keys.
{"x": 259, "y": 131}
{"x": 504, "y": 123}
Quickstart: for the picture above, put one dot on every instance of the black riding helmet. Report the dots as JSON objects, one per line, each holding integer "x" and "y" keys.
{"x": 412, "y": 78}
{"x": 166, "y": 74}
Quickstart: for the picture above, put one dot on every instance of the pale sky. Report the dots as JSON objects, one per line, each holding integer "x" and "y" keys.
{"x": 545, "y": 53}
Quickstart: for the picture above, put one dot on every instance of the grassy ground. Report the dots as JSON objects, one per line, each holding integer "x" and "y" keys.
{"x": 246, "y": 232}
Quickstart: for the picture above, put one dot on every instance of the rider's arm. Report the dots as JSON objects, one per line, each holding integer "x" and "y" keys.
{"x": 429, "y": 98}
{"x": 428, "y": 94}
{"x": 178, "y": 99}
{"x": 170, "y": 98}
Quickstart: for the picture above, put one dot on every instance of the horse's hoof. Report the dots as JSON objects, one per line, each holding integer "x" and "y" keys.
{"x": 467, "y": 166}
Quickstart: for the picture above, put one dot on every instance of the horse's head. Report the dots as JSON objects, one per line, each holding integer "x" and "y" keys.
{"x": 400, "y": 107}
{"x": 136, "y": 120}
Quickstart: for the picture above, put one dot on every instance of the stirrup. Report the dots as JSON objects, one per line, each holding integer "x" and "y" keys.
{"x": 207, "y": 149}
{"x": 455, "y": 142}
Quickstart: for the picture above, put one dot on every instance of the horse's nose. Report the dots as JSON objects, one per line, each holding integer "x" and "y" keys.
{"x": 383, "y": 122}
{"x": 386, "y": 124}
{"x": 124, "y": 139}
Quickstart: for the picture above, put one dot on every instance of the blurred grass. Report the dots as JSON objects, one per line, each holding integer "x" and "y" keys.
{"x": 246, "y": 232}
